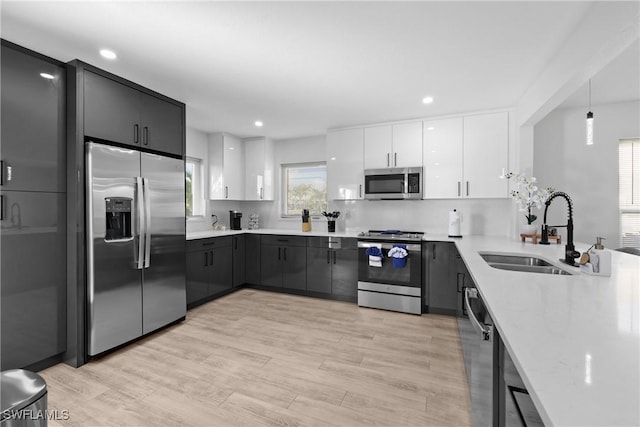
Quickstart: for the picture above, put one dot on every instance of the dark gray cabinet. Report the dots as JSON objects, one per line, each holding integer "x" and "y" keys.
{"x": 33, "y": 293}
{"x": 116, "y": 112}
{"x": 209, "y": 268}
{"x": 238, "y": 244}
{"x": 332, "y": 266}
{"x": 252, "y": 258}
{"x": 442, "y": 291}
{"x": 284, "y": 262}
{"x": 33, "y": 123}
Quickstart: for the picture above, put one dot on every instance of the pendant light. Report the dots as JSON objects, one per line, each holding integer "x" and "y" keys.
{"x": 589, "y": 120}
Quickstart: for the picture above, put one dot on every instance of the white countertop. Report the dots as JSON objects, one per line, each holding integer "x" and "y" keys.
{"x": 574, "y": 339}
{"x": 192, "y": 235}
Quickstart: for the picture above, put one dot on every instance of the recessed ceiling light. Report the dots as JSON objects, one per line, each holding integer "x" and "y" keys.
{"x": 108, "y": 54}
{"x": 430, "y": 128}
{"x": 258, "y": 123}
{"x": 46, "y": 76}
{"x": 427, "y": 100}
{"x": 333, "y": 158}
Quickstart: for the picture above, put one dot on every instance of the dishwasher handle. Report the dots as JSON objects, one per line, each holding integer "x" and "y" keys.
{"x": 485, "y": 330}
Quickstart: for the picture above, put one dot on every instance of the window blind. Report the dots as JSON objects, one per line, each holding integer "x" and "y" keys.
{"x": 629, "y": 185}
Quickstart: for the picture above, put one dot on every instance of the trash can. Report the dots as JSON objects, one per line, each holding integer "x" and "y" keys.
{"x": 23, "y": 395}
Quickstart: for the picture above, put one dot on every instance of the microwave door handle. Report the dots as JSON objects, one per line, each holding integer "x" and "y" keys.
{"x": 487, "y": 333}
{"x": 141, "y": 222}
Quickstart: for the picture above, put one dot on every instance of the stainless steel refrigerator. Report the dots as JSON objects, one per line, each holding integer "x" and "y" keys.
{"x": 136, "y": 244}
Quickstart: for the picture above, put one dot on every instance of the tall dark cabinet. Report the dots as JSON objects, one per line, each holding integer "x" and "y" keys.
{"x": 32, "y": 209}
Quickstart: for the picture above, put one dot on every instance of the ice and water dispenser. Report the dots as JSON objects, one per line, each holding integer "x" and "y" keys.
{"x": 118, "y": 218}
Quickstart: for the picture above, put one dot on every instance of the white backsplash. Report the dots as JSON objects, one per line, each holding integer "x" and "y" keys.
{"x": 490, "y": 217}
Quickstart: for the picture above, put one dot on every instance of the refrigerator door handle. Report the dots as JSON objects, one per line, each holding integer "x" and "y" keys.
{"x": 141, "y": 222}
{"x": 147, "y": 226}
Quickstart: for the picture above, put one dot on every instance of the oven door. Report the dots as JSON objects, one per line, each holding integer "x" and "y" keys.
{"x": 388, "y": 272}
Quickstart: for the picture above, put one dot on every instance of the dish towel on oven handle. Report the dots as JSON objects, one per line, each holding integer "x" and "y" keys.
{"x": 398, "y": 254}
{"x": 375, "y": 255}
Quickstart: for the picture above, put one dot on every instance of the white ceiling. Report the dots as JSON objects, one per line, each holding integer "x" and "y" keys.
{"x": 304, "y": 67}
{"x": 619, "y": 81}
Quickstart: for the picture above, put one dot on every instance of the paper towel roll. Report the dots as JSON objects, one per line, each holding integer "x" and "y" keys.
{"x": 455, "y": 218}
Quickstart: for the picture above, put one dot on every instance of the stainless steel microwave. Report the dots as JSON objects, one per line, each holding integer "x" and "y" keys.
{"x": 393, "y": 183}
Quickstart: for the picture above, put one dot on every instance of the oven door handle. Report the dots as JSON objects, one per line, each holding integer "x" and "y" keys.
{"x": 386, "y": 245}
{"x": 485, "y": 330}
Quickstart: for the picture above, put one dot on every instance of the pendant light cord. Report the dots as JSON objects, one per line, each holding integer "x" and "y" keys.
{"x": 589, "y": 94}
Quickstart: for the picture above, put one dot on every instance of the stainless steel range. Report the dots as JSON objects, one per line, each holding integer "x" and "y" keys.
{"x": 390, "y": 270}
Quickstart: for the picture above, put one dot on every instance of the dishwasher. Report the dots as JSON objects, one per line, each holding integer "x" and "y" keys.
{"x": 483, "y": 353}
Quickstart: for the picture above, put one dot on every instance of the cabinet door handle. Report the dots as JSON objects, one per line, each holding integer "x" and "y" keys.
{"x": 467, "y": 188}
{"x": 136, "y": 133}
{"x": 261, "y": 193}
{"x": 1, "y": 172}
{"x": 226, "y": 192}
{"x": 1, "y": 207}
{"x": 434, "y": 251}
{"x": 395, "y": 159}
{"x": 334, "y": 257}
{"x": 360, "y": 190}
{"x": 279, "y": 251}
{"x": 206, "y": 259}
{"x": 328, "y": 256}
{"x": 388, "y": 159}
{"x": 458, "y": 188}
{"x": 145, "y": 135}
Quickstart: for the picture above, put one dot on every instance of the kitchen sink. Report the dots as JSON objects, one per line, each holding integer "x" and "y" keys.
{"x": 525, "y": 263}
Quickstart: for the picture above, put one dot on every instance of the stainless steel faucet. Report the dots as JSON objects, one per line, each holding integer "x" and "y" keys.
{"x": 570, "y": 253}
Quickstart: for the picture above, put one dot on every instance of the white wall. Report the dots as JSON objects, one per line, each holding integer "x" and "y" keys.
{"x": 588, "y": 174}
{"x": 298, "y": 150}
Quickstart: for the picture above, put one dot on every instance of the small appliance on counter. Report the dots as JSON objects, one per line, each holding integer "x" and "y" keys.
{"x": 306, "y": 220}
{"x": 235, "y": 218}
{"x": 455, "y": 218}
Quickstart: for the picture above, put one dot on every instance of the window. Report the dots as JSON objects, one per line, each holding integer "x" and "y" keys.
{"x": 194, "y": 187}
{"x": 629, "y": 172}
{"x": 304, "y": 186}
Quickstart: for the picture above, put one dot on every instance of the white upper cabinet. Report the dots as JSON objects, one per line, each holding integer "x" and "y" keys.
{"x": 226, "y": 167}
{"x": 377, "y": 147}
{"x": 407, "y": 145}
{"x": 442, "y": 158}
{"x": 464, "y": 156}
{"x": 392, "y": 146}
{"x": 259, "y": 169}
{"x": 345, "y": 164}
{"x": 486, "y": 155}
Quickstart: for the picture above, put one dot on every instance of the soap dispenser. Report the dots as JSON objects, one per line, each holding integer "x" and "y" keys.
{"x": 600, "y": 258}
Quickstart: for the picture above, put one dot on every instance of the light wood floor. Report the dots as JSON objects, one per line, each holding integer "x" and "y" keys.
{"x": 260, "y": 358}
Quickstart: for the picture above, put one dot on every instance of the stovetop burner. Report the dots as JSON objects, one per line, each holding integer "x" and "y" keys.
{"x": 392, "y": 234}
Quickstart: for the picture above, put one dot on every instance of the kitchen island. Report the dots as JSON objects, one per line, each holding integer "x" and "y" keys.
{"x": 575, "y": 339}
